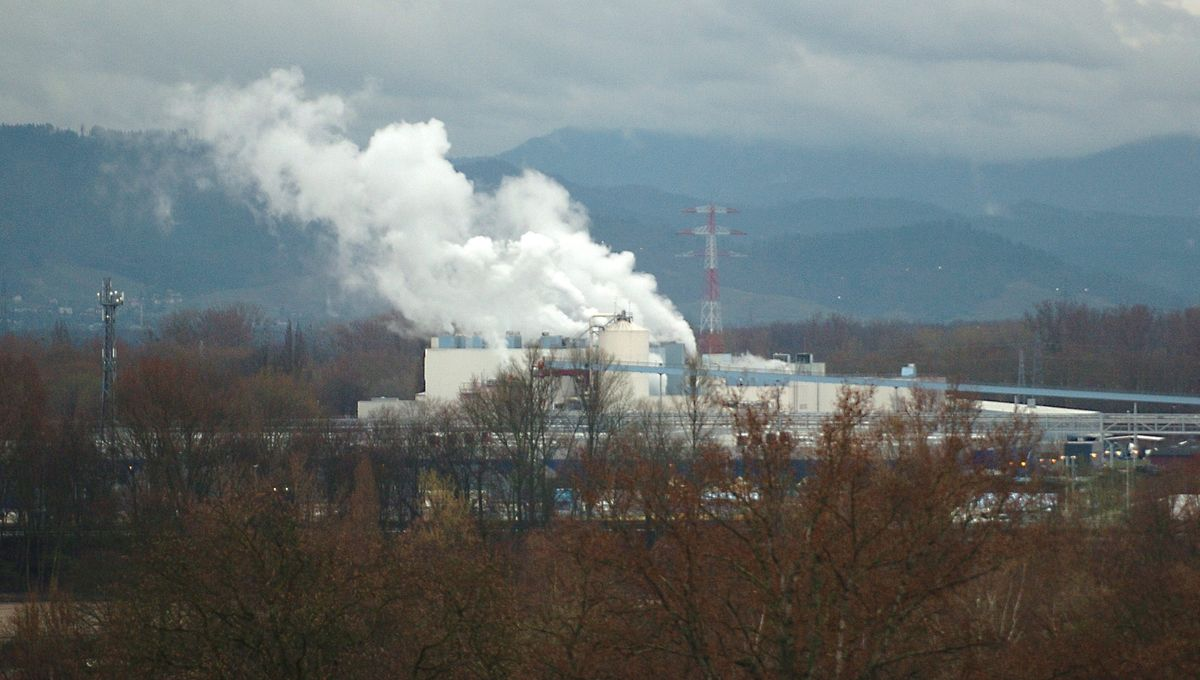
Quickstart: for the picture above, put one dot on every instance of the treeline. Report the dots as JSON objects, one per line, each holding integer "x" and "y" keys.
{"x": 1060, "y": 343}
{"x": 896, "y": 555}
{"x": 229, "y": 530}
{"x": 331, "y": 366}
{"x": 206, "y": 390}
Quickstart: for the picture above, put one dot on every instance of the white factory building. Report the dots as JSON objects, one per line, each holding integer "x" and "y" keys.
{"x": 455, "y": 364}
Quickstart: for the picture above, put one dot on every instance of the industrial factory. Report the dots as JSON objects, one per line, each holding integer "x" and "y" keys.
{"x": 653, "y": 373}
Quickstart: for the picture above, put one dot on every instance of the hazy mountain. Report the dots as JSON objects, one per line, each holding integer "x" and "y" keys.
{"x": 149, "y": 210}
{"x": 486, "y": 173}
{"x": 940, "y": 270}
{"x": 1154, "y": 177}
{"x": 146, "y": 209}
{"x": 755, "y": 173}
{"x": 1071, "y": 248}
{"x": 1158, "y": 250}
{"x": 1157, "y": 176}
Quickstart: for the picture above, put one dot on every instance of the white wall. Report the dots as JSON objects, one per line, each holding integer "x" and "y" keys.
{"x": 802, "y": 397}
{"x": 449, "y": 371}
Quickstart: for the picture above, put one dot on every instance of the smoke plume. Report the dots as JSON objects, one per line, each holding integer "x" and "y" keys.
{"x": 412, "y": 229}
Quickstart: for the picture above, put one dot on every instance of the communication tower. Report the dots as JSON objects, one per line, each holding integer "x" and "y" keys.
{"x": 711, "y": 341}
{"x": 109, "y": 300}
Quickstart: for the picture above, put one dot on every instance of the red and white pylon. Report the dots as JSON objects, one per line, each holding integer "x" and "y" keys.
{"x": 711, "y": 341}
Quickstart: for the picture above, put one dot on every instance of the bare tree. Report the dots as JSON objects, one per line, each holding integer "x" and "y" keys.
{"x": 857, "y": 571}
{"x": 697, "y": 408}
{"x": 250, "y": 584}
{"x": 602, "y": 395}
{"x": 516, "y": 411}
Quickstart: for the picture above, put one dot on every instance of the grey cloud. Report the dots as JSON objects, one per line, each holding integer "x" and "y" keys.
{"x": 1064, "y": 32}
{"x": 987, "y": 79}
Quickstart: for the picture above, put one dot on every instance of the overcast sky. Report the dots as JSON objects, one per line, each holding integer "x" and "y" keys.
{"x": 986, "y": 79}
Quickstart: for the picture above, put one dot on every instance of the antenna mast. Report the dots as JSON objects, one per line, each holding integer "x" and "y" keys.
{"x": 711, "y": 340}
{"x": 109, "y": 300}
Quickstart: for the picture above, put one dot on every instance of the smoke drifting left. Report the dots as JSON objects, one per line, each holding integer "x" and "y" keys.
{"x": 412, "y": 229}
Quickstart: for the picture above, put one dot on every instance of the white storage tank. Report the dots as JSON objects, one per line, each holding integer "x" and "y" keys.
{"x": 625, "y": 341}
{"x": 628, "y": 343}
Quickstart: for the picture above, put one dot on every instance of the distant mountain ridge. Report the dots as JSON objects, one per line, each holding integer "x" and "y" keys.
{"x": 147, "y": 209}
{"x": 862, "y": 234}
{"x": 745, "y": 173}
{"x": 1156, "y": 176}
{"x": 1115, "y": 227}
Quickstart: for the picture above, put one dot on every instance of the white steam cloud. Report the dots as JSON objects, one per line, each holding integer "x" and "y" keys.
{"x": 413, "y": 229}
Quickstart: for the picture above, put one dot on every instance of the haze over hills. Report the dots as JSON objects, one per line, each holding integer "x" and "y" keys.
{"x": 1114, "y": 227}
{"x": 851, "y": 232}
{"x": 743, "y": 173}
{"x": 1154, "y": 176}
{"x": 146, "y": 209}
